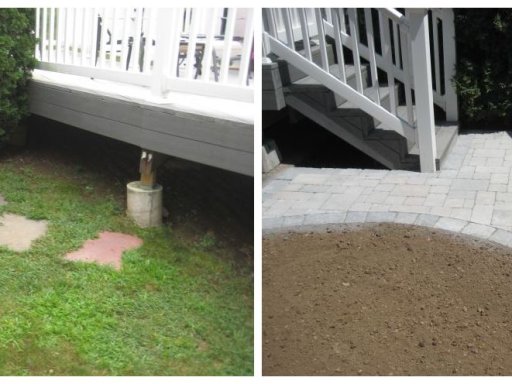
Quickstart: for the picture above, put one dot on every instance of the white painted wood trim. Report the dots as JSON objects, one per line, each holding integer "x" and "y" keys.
{"x": 420, "y": 46}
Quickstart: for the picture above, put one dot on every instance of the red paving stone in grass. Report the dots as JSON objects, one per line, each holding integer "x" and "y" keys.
{"x": 107, "y": 249}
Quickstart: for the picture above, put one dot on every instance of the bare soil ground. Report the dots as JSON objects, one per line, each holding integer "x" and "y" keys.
{"x": 386, "y": 300}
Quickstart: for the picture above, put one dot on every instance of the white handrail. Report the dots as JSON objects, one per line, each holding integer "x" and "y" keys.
{"x": 396, "y": 16}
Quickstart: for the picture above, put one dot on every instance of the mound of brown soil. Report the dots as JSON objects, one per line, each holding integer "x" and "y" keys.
{"x": 383, "y": 300}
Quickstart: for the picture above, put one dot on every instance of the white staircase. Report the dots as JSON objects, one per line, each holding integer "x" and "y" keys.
{"x": 374, "y": 91}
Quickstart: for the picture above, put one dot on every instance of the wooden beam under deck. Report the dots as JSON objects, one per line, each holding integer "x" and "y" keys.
{"x": 208, "y": 140}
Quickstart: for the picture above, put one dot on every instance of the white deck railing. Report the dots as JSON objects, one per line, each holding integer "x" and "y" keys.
{"x": 392, "y": 43}
{"x": 204, "y": 51}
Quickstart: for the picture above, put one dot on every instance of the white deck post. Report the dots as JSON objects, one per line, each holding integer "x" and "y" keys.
{"x": 162, "y": 59}
{"x": 423, "y": 88}
{"x": 449, "y": 64}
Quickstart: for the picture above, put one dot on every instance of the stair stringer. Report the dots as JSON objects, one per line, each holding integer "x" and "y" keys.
{"x": 348, "y": 132}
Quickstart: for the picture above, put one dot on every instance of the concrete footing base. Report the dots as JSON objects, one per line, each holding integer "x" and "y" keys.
{"x": 144, "y": 204}
{"x": 270, "y": 155}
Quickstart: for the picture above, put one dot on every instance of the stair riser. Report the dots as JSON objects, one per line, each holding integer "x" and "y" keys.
{"x": 350, "y": 134}
{"x": 290, "y": 74}
{"x": 352, "y": 82}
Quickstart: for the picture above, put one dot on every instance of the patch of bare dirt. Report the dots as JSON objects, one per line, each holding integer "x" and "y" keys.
{"x": 386, "y": 300}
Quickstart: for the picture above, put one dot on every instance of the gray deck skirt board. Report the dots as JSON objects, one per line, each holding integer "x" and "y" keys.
{"x": 212, "y": 141}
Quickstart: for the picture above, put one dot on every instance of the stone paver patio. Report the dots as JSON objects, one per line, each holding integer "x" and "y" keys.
{"x": 472, "y": 194}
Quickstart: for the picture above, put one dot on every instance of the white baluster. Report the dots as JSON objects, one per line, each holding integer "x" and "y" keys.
{"x": 83, "y": 48}
{"x": 304, "y": 27}
{"x": 371, "y": 48}
{"x": 338, "y": 43}
{"x": 93, "y": 37}
{"x": 387, "y": 54}
{"x": 125, "y": 39}
{"x": 288, "y": 28}
{"x": 245, "y": 60}
{"x": 74, "y": 43}
{"x": 134, "y": 59}
{"x": 46, "y": 51}
{"x": 65, "y": 55}
{"x": 354, "y": 34}
{"x": 228, "y": 42}
{"x": 407, "y": 76}
{"x": 192, "y": 40}
{"x": 324, "y": 61}
{"x": 113, "y": 39}
{"x": 208, "y": 48}
{"x": 149, "y": 32}
{"x": 51, "y": 40}
{"x": 271, "y": 22}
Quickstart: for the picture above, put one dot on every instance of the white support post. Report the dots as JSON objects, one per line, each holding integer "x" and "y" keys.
{"x": 449, "y": 64}
{"x": 423, "y": 88}
{"x": 167, "y": 31}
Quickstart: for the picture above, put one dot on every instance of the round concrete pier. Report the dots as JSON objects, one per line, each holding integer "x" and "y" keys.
{"x": 144, "y": 204}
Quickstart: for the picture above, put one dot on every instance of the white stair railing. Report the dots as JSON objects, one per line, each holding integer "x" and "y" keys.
{"x": 392, "y": 28}
{"x": 394, "y": 57}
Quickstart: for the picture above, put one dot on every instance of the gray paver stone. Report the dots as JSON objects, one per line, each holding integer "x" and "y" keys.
{"x": 426, "y": 220}
{"x": 478, "y": 230}
{"x": 325, "y": 218}
{"x": 450, "y": 224}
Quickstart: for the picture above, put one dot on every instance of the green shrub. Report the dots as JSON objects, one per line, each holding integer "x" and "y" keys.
{"x": 484, "y": 66}
{"x": 17, "y": 44}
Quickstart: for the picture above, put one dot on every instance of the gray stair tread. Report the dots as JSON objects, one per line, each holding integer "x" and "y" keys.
{"x": 445, "y": 132}
{"x": 335, "y": 71}
{"x": 371, "y": 93}
{"x": 401, "y": 112}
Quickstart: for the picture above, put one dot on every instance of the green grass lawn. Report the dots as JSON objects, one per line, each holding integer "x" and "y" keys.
{"x": 173, "y": 309}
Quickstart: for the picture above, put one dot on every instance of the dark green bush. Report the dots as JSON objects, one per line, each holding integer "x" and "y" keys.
{"x": 484, "y": 66}
{"x": 17, "y": 44}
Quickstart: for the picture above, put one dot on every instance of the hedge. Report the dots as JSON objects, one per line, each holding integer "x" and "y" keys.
{"x": 17, "y": 61}
{"x": 484, "y": 67}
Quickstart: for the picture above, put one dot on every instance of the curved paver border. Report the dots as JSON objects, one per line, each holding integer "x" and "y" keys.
{"x": 471, "y": 195}
{"x": 323, "y": 220}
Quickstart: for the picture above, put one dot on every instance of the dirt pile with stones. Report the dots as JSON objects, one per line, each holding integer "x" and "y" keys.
{"x": 386, "y": 299}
